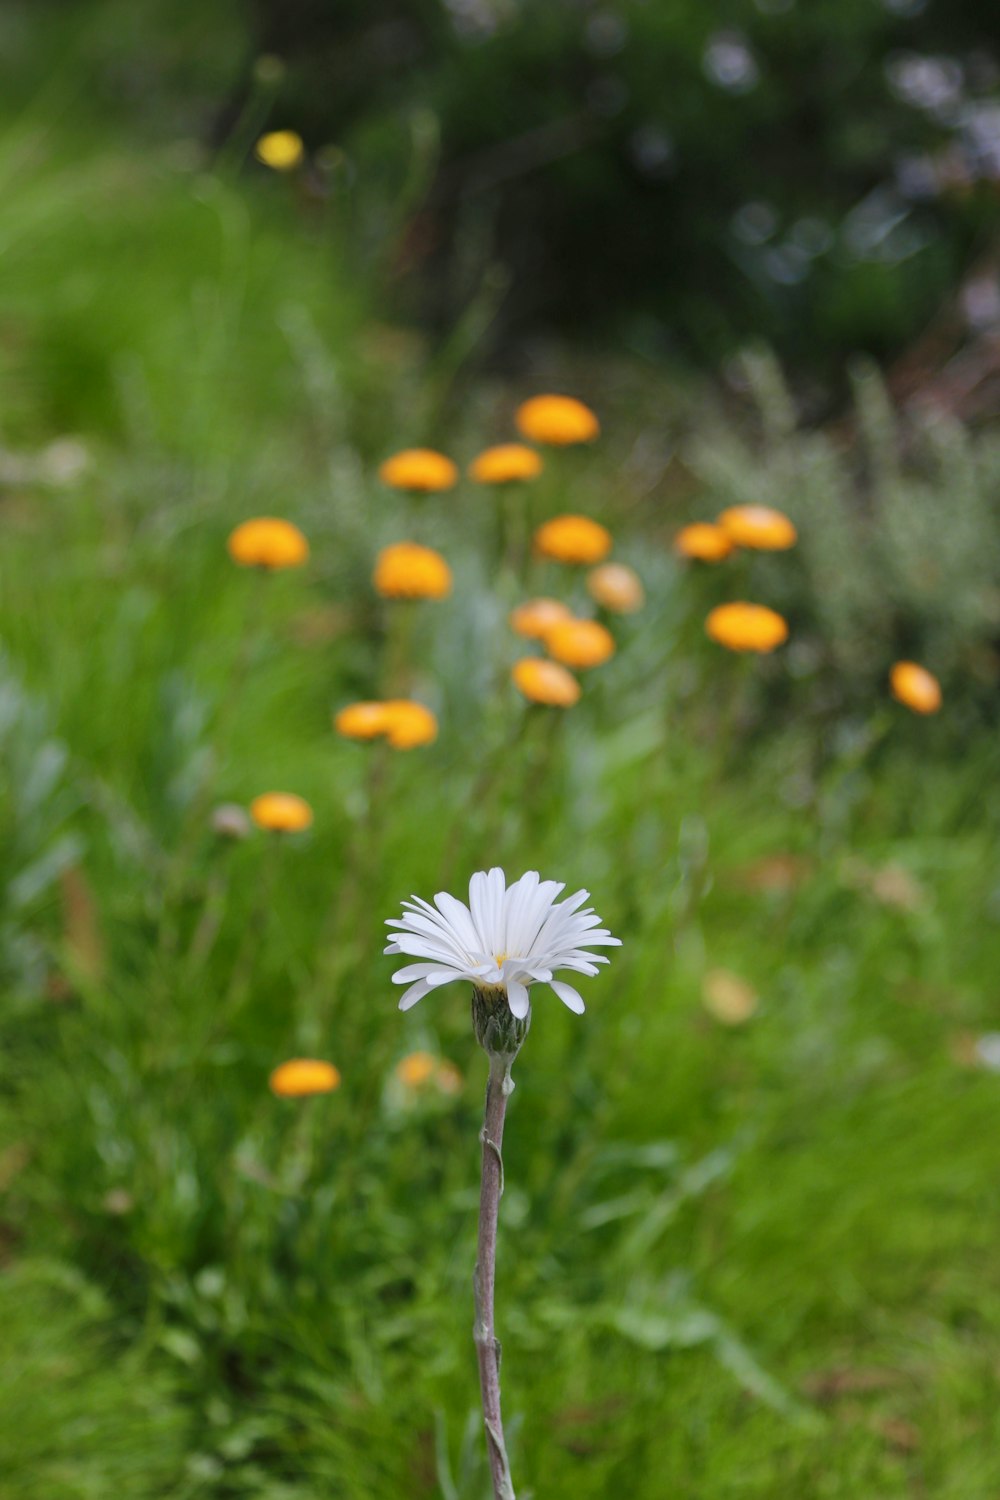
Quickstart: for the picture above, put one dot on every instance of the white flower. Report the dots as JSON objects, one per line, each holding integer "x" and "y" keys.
{"x": 507, "y": 938}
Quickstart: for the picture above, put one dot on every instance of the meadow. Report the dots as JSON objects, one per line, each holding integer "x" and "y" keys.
{"x": 748, "y": 1242}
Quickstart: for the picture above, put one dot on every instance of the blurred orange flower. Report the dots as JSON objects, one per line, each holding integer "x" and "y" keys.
{"x": 447, "y": 1078}
{"x": 703, "y": 541}
{"x": 728, "y": 997}
{"x": 579, "y": 643}
{"x": 267, "y": 542}
{"x": 404, "y": 722}
{"x": 617, "y": 588}
{"x": 915, "y": 687}
{"x": 408, "y": 571}
{"x": 302, "y": 1076}
{"x": 505, "y": 464}
{"x": 545, "y": 682}
{"x": 281, "y": 812}
{"x": 559, "y": 421}
{"x": 573, "y": 539}
{"x": 759, "y": 527}
{"x": 533, "y": 618}
{"x": 416, "y": 1069}
{"x": 361, "y": 721}
{"x": 408, "y": 724}
{"x": 421, "y": 470}
{"x": 280, "y": 149}
{"x": 746, "y": 627}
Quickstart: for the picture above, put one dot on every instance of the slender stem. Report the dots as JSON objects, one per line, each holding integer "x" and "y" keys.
{"x": 399, "y": 647}
{"x": 498, "y": 1090}
{"x": 193, "y": 824}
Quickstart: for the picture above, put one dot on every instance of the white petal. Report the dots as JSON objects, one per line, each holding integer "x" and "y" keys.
{"x": 569, "y": 996}
{"x": 410, "y": 997}
{"x": 541, "y": 911}
{"x": 421, "y": 947}
{"x": 517, "y": 999}
{"x": 518, "y": 907}
{"x": 445, "y": 976}
{"x": 579, "y": 965}
{"x": 435, "y": 929}
{"x": 434, "y": 974}
{"x": 459, "y": 919}
{"x": 486, "y": 893}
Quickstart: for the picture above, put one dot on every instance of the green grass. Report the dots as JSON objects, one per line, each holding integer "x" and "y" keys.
{"x": 734, "y": 1261}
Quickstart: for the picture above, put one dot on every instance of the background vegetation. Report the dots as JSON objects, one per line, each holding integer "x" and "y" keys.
{"x": 674, "y": 178}
{"x": 749, "y": 1240}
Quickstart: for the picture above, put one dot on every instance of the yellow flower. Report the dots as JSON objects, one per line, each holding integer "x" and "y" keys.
{"x": 280, "y": 149}
{"x": 759, "y": 527}
{"x": 419, "y": 469}
{"x": 409, "y": 724}
{"x": 416, "y": 1069}
{"x": 408, "y": 571}
{"x": 533, "y": 618}
{"x": 505, "y": 464}
{"x": 579, "y": 643}
{"x": 746, "y": 627}
{"x": 301, "y": 1076}
{"x": 545, "y": 682}
{"x": 281, "y": 812}
{"x": 703, "y": 541}
{"x": 573, "y": 539}
{"x": 267, "y": 542}
{"x": 361, "y": 721}
{"x": 915, "y": 687}
{"x": 616, "y": 588}
{"x": 559, "y": 421}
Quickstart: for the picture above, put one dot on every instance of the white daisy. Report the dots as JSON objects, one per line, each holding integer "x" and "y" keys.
{"x": 506, "y": 939}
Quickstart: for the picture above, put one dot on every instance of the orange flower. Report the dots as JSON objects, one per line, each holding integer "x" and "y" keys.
{"x": 421, "y": 470}
{"x": 545, "y": 682}
{"x": 759, "y": 527}
{"x": 280, "y": 149}
{"x": 746, "y": 627}
{"x": 915, "y": 687}
{"x": 616, "y": 588}
{"x": 408, "y": 571}
{"x": 505, "y": 464}
{"x": 267, "y": 542}
{"x": 703, "y": 541}
{"x": 573, "y": 539}
{"x": 579, "y": 643}
{"x": 533, "y": 618}
{"x": 408, "y": 724}
{"x": 416, "y": 1069}
{"x": 281, "y": 812}
{"x": 301, "y": 1076}
{"x": 559, "y": 421}
{"x": 361, "y": 721}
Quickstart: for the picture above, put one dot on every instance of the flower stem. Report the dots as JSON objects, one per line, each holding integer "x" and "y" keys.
{"x": 498, "y": 1090}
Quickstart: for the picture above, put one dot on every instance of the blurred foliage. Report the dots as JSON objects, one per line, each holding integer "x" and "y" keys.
{"x": 676, "y": 176}
{"x": 80, "y": 1416}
